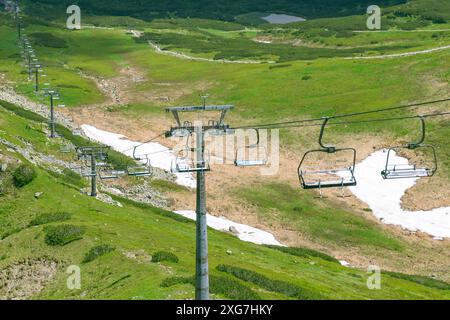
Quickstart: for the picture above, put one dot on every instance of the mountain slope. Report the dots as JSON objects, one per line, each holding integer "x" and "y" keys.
{"x": 134, "y": 233}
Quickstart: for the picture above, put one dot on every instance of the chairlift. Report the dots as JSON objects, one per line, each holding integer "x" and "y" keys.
{"x": 109, "y": 173}
{"x": 187, "y": 160}
{"x": 333, "y": 167}
{"x": 252, "y": 155}
{"x": 410, "y": 171}
{"x": 140, "y": 169}
{"x": 186, "y": 164}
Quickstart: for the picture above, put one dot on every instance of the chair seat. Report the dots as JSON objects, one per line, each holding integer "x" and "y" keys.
{"x": 408, "y": 173}
{"x": 250, "y": 163}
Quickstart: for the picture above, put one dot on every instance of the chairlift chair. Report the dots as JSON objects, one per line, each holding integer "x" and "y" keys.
{"x": 141, "y": 169}
{"x": 408, "y": 171}
{"x": 186, "y": 164}
{"x": 252, "y": 155}
{"x": 337, "y": 173}
{"x": 109, "y": 173}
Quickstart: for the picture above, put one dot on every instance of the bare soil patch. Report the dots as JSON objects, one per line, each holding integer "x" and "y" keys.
{"x": 25, "y": 279}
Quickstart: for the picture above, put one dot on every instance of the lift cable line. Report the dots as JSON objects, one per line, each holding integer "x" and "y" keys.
{"x": 283, "y": 124}
{"x": 350, "y": 122}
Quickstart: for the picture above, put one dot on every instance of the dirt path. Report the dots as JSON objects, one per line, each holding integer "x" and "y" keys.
{"x": 400, "y": 55}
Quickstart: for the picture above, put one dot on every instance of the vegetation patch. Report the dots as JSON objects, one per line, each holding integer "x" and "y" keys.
{"x": 161, "y": 256}
{"x": 305, "y": 253}
{"x": 223, "y": 286}
{"x": 50, "y": 217}
{"x": 97, "y": 251}
{"x": 62, "y": 235}
{"x": 24, "y": 175}
{"x": 262, "y": 281}
{"x": 425, "y": 281}
{"x": 46, "y": 39}
{"x": 22, "y": 112}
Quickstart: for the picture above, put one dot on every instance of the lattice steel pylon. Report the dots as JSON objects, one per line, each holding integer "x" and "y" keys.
{"x": 187, "y": 128}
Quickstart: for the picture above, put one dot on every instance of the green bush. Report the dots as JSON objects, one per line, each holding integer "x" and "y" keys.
{"x": 164, "y": 256}
{"x": 97, "y": 251}
{"x": 425, "y": 281}
{"x": 51, "y": 217}
{"x": 224, "y": 286}
{"x": 62, "y": 234}
{"x": 285, "y": 288}
{"x": 305, "y": 253}
{"x": 24, "y": 175}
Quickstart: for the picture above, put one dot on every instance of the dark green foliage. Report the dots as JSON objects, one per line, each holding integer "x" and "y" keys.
{"x": 224, "y": 10}
{"x": 96, "y": 252}
{"x": 24, "y": 175}
{"x": 22, "y": 112}
{"x": 242, "y": 48}
{"x": 51, "y": 217}
{"x": 282, "y": 287}
{"x": 223, "y": 286}
{"x": 144, "y": 206}
{"x": 45, "y": 39}
{"x": 425, "y": 281}
{"x": 161, "y": 256}
{"x": 305, "y": 252}
{"x": 62, "y": 234}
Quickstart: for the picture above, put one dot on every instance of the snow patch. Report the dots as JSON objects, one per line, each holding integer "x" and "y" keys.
{"x": 384, "y": 198}
{"x": 242, "y": 231}
{"x": 160, "y": 156}
{"x": 344, "y": 263}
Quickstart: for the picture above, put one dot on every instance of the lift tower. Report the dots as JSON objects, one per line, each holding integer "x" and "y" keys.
{"x": 93, "y": 157}
{"x": 53, "y": 96}
{"x": 200, "y": 167}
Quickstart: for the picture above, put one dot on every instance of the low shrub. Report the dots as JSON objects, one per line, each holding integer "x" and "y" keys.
{"x": 425, "y": 281}
{"x": 262, "y": 281}
{"x": 161, "y": 256}
{"x": 305, "y": 253}
{"x": 62, "y": 235}
{"x": 97, "y": 251}
{"x": 23, "y": 175}
{"x": 224, "y": 286}
{"x": 50, "y": 217}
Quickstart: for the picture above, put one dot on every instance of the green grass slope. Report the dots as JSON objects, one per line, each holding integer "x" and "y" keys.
{"x": 113, "y": 247}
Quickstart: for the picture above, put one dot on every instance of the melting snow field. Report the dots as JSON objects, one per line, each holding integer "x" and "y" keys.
{"x": 243, "y": 232}
{"x": 384, "y": 198}
{"x": 160, "y": 156}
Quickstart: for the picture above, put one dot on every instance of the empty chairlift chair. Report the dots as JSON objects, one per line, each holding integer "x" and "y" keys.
{"x": 328, "y": 167}
{"x": 140, "y": 169}
{"x": 422, "y": 169}
{"x": 107, "y": 172}
{"x": 251, "y": 155}
{"x": 186, "y": 162}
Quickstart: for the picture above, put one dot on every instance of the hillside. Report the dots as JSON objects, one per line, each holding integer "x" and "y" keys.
{"x": 132, "y": 60}
{"x": 135, "y": 233}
